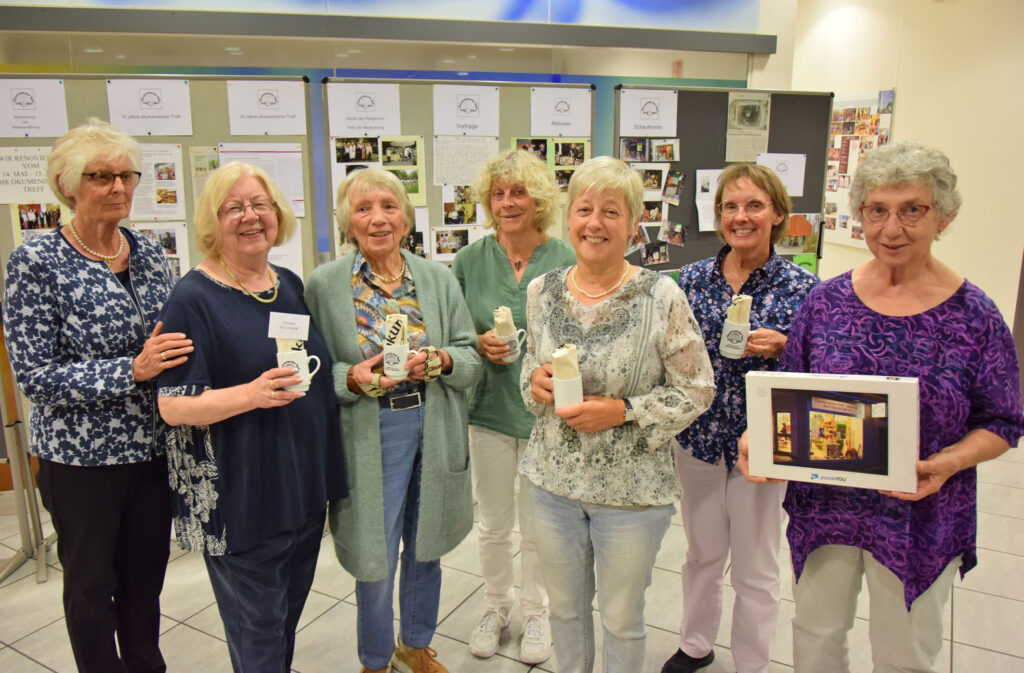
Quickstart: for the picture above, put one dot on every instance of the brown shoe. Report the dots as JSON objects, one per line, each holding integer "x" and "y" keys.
{"x": 416, "y": 660}
{"x": 364, "y": 669}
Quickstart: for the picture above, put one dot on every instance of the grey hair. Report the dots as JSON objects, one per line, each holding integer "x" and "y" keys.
{"x": 905, "y": 162}
{"x": 76, "y": 149}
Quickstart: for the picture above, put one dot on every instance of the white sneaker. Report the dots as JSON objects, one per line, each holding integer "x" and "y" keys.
{"x": 483, "y": 642}
{"x": 535, "y": 647}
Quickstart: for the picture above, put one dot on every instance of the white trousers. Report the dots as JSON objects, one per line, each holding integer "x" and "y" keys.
{"x": 722, "y": 512}
{"x": 494, "y": 458}
{"x": 826, "y": 601}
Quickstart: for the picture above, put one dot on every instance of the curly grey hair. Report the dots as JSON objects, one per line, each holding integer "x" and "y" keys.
{"x": 906, "y": 162}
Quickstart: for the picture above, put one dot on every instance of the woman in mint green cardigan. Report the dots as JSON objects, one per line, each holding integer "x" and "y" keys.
{"x": 405, "y": 441}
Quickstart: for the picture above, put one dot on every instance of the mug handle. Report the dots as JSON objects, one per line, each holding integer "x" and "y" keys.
{"x": 521, "y": 337}
{"x": 313, "y": 371}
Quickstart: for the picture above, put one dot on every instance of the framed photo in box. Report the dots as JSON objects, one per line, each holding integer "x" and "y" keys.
{"x": 834, "y": 429}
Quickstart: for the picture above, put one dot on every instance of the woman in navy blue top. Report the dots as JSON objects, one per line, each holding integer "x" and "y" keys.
{"x": 252, "y": 465}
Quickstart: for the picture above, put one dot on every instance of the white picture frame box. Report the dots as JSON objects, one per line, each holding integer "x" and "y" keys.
{"x": 834, "y": 429}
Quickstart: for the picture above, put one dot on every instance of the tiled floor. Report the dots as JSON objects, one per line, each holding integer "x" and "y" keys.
{"x": 983, "y": 631}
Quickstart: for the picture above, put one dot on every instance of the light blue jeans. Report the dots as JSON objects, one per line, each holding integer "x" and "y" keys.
{"x": 585, "y": 547}
{"x": 419, "y": 588}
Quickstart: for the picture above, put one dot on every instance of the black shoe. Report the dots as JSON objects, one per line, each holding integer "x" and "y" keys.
{"x": 681, "y": 662}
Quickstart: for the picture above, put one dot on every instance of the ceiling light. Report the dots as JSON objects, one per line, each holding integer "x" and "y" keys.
{"x": 93, "y": 50}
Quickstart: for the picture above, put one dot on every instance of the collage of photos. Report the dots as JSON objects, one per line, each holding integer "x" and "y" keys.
{"x": 653, "y": 158}
{"x": 857, "y": 127}
{"x": 32, "y": 219}
{"x": 402, "y": 155}
{"x": 562, "y": 155}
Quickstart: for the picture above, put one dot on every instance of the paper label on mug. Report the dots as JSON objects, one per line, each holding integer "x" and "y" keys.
{"x": 288, "y": 326}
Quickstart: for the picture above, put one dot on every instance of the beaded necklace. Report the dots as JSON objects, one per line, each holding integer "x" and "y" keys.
{"x": 109, "y": 259}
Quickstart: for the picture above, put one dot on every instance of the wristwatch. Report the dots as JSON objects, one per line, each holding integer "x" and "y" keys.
{"x": 629, "y": 416}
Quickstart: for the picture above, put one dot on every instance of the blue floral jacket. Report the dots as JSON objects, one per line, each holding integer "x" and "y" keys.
{"x": 72, "y": 331}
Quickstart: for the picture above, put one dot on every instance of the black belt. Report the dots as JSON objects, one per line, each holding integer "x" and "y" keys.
{"x": 400, "y": 400}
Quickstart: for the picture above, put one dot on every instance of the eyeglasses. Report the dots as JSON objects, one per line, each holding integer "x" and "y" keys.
{"x": 751, "y": 208}
{"x": 106, "y": 178}
{"x": 909, "y": 214}
{"x": 235, "y": 211}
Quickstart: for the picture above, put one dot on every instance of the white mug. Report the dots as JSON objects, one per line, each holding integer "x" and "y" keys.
{"x": 515, "y": 343}
{"x": 395, "y": 356}
{"x": 734, "y": 339}
{"x": 300, "y": 361}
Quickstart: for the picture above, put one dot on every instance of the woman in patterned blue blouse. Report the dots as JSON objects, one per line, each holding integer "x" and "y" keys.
{"x": 80, "y": 317}
{"x": 721, "y": 511}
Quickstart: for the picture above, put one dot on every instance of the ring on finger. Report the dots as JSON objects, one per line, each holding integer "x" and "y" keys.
{"x": 163, "y": 356}
{"x": 273, "y": 394}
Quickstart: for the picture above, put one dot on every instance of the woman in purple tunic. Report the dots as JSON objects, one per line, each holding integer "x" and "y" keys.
{"x": 904, "y": 313}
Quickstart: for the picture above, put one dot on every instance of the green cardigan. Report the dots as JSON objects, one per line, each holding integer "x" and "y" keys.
{"x": 446, "y": 503}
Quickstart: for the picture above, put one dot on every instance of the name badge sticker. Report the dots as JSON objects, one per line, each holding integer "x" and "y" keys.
{"x": 288, "y": 326}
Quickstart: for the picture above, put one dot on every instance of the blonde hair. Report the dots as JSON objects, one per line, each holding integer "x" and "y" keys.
{"x": 220, "y": 182}
{"x": 369, "y": 178}
{"x": 76, "y": 149}
{"x": 601, "y": 174}
{"x": 519, "y": 167}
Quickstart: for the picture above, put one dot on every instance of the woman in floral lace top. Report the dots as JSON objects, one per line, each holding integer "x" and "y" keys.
{"x": 600, "y": 472}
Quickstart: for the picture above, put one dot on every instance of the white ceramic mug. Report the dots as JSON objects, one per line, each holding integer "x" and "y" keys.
{"x": 300, "y": 360}
{"x": 395, "y": 356}
{"x": 734, "y": 339}
{"x": 515, "y": 343}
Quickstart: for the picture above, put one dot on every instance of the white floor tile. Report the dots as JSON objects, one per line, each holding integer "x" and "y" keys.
{"x": 1004, "y": 500}
{"x": 187, "y": 589}
{"x": 12, "y": 661}
{"x": 1001, "y": 533}
{"x": 49, "y": 646}
{"x": 988, "y": 622}
{"x": 331, "y": 579}
{"x": 997, "y": 574}
{"x": 186, "y": 649}
{"x": 968, "y": 659}
{"x": 28, "y": 606}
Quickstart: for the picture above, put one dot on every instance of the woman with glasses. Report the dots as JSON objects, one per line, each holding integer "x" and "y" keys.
{"x": 903, "y": 313}
{"x": 80, "y": 318}
{"x": 252, "y": 462}
{"x": 722, "y": 513}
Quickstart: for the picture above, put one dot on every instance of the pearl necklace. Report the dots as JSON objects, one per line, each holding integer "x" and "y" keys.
{"x": 247, "y": 290}
{"x": 109, "y": 259}
{"x": 389, "y": 279}
{"x": 572, "y": 277}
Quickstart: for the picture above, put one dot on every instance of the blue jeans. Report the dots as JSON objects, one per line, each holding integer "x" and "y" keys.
{"x": 260, "y": 593}
{"x": 419, "y": 590}
{"x": 585, "y": 547}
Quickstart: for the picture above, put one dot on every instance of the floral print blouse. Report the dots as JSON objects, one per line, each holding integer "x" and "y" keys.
{"x": 641, "y": 343}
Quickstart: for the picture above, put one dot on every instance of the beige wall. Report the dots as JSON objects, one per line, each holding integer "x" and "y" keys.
{"x": 956, "y": 66}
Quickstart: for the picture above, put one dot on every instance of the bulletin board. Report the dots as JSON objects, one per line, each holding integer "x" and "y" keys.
{"x": 798, "y": 124}
{"x": 86, "y": 96}
{"x": 442, "y": 216}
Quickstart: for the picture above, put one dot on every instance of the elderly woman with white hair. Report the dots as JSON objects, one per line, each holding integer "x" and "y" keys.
{"x": 252, "y": 464}
{"x": 80, "y": 318}
{"x": 603, "y": 485}
{"x": 406, "y": 437}
{"x": 903, "y": 313}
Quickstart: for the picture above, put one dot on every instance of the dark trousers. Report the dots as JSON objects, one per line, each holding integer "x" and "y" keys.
{"x": 113, "y": 539}
{"x": 260, "y": 594}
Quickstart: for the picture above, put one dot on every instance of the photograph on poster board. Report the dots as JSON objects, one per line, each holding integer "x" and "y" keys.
{"x": 653, "y": 212}
{"x": 398, "y": 152}
{"x": 664, "y": 149}
{"x": 803, "y": 234}
{"x": 654, "y": 253}
{"x": 458, "y": 205}
{"x": 634, "y": 149}
{"x": 446, "y": 241}
{"x": 839, "y": 430}
{"x": 571, "y": 153}
{"x": 30, "y": 220}
{"x": 673, "y": 233}
{"x": 536, "y": 146}
{"x": 350, "y": 150}
{"x": 673, "y": 186}
{"x": 562, "y": 177}
{"x": 173, "y": 238}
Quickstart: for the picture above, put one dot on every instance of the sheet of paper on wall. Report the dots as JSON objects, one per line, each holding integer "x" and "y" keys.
{"x": 458, "y": 159}
{"x": 203, "y": 160}
{"x": 36, "y": 108}
{"x": 173, "y": 238}
{"x": 160, "y": 194}
{"x": 289, "y": 253}
{"x": 267, "y": 107}
{"x": 358, "y": 109}
{"x": 560, "y": 111}
{"x": 281, "y": 161}
{"x": 748, "y": 117}
{"x": 150, "y": 107}
{"x": 23, "y": 175}
{"x": 465, "y": 110}
{"x": 648, "y": 112}
{"x": 706, "y": 184}
{"x": 789, "y": 167}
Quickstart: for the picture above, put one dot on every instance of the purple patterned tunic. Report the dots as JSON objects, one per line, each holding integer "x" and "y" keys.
{"x": 963, "y": 355}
